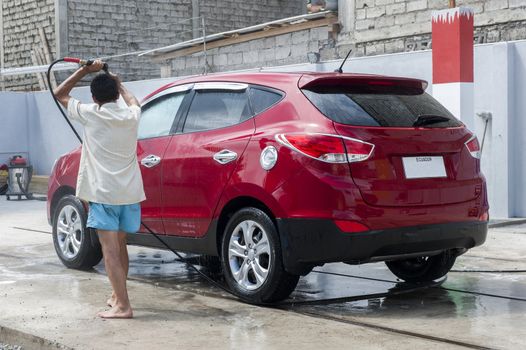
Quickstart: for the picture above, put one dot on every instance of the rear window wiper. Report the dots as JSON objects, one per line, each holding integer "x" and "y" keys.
{"x": 427, "y": 119}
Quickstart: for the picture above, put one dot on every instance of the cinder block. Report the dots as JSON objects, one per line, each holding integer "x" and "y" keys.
{"x": 395, "y": 9}
{"x": 320, "y": 33}
{"x": 220, "y": 60}
{"x": 282, "y": 52}
{"x": 250, "y": 56}
{"x": 517, "y": 3}
{"x": 313, "y": 46}
{"x": 383, "y": 2}
{"x": 385, "y": 21}
{"x": 360, "y": 4}
{"x": 283, "y": 40}
{"x": 405, "y": 18}
{"x": 364, "y": 24}
{"x": 394, "y": 46}
{"x": 269, "y": 42}
{"x": 492, "y": 5}
{"x": 375, "y": 49}
{"x": 300, "y": 49}
{"x": 300, "y": 37}
{"x": 267, "y": 55}
{"x": 416, "y": 5}
{"x": 424, "y": 16}
{"x": 375, "y": 12}
{"x": 235, "y": 58}
{"x": 255, "y": 45}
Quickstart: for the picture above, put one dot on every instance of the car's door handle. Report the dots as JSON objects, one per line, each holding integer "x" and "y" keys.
{"x": 150, "y": 161}
{"x": 225, "y": 156}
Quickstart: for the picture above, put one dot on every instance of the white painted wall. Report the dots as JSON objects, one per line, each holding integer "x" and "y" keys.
{"x": 500, "y": 87}
{"x": 14, "y": 132}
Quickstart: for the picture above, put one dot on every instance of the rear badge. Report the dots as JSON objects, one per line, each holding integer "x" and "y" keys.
{"x": 424, "y": 167}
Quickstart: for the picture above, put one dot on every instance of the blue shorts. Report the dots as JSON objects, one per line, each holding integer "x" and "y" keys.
{"x": 110, "y": 217}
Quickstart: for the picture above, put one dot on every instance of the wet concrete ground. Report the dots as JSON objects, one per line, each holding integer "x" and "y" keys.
{"x": 482, "y": 304}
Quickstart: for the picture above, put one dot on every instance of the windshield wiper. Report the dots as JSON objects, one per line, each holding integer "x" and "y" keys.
{"x": 427, "y": 119}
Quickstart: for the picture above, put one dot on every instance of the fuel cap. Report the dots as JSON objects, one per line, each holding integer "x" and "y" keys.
{"x": 269, "y": 157}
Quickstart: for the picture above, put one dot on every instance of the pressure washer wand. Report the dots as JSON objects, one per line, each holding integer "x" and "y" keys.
{"x": 84, "y": 62}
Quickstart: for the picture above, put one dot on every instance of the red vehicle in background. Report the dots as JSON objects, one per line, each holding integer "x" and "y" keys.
{"x": 276, "y": 173}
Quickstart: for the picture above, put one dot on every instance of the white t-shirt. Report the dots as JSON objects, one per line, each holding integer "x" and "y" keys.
{"x": 109, "y": 172}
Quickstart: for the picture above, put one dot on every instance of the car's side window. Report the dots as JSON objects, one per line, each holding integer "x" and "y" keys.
{"x": 262, "y": 99}
{"x": 214, "y": 109}
{"x": 157, "y": 116}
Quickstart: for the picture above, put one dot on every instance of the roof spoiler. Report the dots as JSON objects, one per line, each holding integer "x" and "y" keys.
{"x": 362, "y": 83}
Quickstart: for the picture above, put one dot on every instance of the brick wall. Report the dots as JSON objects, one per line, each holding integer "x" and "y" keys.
{"x": 99, "y": 28}
{"x": 222, "y": 15}
{"x": 387, "y": 26}
{"x": 21, "y": 20}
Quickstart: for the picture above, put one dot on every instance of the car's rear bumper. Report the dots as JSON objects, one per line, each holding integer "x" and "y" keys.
{"x": 310, "y": 242}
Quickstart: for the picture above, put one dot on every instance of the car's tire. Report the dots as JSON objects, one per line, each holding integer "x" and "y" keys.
{"x": 423, "y": 269}
{"x": 71, "y": 239}
{"x": 252, "y": 259}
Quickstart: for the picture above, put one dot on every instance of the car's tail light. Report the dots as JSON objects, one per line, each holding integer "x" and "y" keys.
{"x": 327, "y": 148}
{"x": 473, "y": 147}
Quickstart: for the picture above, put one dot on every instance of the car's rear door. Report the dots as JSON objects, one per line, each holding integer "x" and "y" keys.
{"x": 155, "y": 128}
{"x": 203, "y": 155}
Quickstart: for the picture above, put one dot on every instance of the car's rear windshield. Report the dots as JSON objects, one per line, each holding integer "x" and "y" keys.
{"x": 382, "y": 109}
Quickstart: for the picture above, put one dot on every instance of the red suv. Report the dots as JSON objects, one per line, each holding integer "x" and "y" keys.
{"x": 276, "y": 173}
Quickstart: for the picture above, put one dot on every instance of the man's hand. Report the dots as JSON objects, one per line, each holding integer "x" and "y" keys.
{"x": 94, "y": 67}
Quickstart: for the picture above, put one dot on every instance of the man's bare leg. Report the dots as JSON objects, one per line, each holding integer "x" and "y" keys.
{"x": 124, "y": 261}
{"x": 111, "y": 249}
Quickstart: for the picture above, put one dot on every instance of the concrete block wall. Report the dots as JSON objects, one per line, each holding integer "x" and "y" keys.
{"x": 100, "y": 28}
{"x": 389, "y": 26}
{"x": 222, "y": 15}
{"x": 20, "y": 21}
{"x": 283, "y": 49}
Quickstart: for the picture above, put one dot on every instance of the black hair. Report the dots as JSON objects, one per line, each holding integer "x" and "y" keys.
{"x": 104, "y": 88}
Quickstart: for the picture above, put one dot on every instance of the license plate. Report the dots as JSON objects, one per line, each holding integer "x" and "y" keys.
{"x": 424, "y": 167}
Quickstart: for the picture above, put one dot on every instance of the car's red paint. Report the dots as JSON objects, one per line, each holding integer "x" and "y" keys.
{"x": 193, "y": 182}
{"x": 190, "y": 189}
{"x": 151, "y": 208}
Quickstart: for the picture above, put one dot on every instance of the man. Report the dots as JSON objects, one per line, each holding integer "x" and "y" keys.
{"x": 109, "y": 177}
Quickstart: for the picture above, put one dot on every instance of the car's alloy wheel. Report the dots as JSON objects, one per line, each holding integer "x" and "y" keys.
{"x": 249, "y": 255}
{"x": 252, "y": 260}
{"x": 72, "y": 240}
{"x": 423, "y": 269}
{"x": 69, "y": 231}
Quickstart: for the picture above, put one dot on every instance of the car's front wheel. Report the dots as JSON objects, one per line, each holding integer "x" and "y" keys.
{"x": 252, "y": 260}
{"x": 423, "y": 269}
{"x": 72, "y": 240}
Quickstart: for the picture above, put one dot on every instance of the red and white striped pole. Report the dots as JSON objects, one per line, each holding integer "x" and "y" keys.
{"x": 452, "y": 40}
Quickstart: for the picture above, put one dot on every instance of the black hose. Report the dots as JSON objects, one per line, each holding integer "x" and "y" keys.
{"x": 189, "y": 264}
{"x": 56, "y": 101}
